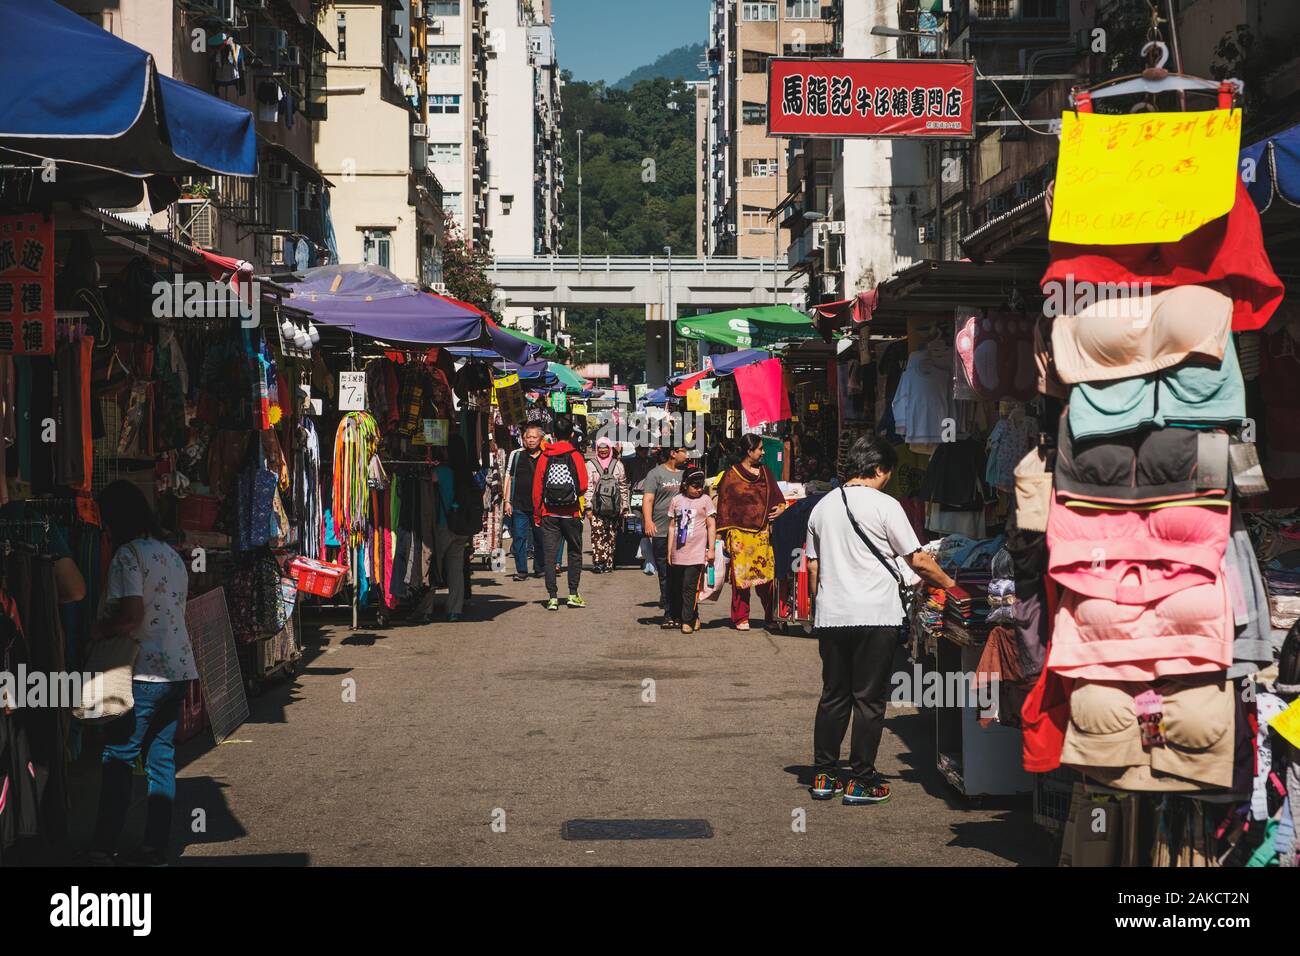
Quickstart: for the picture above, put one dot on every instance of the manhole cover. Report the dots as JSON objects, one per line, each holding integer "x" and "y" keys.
{"x": 636, "y": 830}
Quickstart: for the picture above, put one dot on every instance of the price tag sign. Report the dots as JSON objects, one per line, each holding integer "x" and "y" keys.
{"x": 352, "y": 391}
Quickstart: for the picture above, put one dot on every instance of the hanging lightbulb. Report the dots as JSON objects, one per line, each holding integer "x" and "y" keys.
{"x": 313, "y": 332}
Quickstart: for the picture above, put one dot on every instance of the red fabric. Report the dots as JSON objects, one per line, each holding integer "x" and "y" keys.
{"x": 1046, "y": 712}
{"x": 681, "y": 388}
{"x": 1229, "y": 249}
{"x": 540, "y": 510}
{"x": 740, "y": 602}
{"x": 762, "y": 392}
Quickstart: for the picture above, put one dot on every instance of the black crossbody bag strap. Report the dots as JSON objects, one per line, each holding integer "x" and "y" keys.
{"x": 904, "y": 592}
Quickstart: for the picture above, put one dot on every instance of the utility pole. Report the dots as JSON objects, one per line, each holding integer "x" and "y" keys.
{"x": 579, "y": 200}
{"x": 668, "y": 251}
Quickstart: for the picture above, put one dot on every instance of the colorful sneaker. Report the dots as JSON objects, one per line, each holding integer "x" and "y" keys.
{"x": 553, "y": 604}
{"x": 863, "y": 792}
{"x": 576, "y": 600}
{"x": 826, "y": 786}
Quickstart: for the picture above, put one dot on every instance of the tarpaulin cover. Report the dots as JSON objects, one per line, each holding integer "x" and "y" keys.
{"x": 371, "y": 301}
{"x": 758, "y": 327}
{"x": 762, "y": 393}
{"x": 77, "y": 93}
{"x": 1274, "y": 169}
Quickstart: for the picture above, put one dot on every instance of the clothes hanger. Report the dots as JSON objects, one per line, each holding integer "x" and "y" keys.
{"x": 1156, "y": 79}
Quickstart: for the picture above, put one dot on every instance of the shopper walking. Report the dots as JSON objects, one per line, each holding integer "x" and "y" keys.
{"x": 661, "y": 486}
{"x": 559, "y": 482}
{"x": 638, "y": 465}
{"x": 145, "y": 600}
{"x": 607, "y": 502}
{"x": 459, "y": 506}
{"x": 749, "y": 498}
{"x": 862, "y": 553}
{"x": 525, "y": 533}
{"x": 691, "y": 529}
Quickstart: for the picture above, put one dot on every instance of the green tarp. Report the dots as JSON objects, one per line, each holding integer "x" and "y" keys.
{"x": 757, "y": 328}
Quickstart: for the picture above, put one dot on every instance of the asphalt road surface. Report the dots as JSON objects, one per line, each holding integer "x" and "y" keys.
{"x": 474, "y": 742}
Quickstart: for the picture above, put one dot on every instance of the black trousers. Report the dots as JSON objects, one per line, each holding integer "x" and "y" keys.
{"x": 856, "y": 662}
{"x": 554, "y": 530}
{"x": 660, "y": 546}
{"x": 683, "y": 585}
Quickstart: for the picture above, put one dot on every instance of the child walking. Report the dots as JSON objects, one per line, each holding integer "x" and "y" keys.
{"x": 691, "y": 531}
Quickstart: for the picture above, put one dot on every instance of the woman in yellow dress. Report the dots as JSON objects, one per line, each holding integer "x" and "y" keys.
{"x": 749, "y": 498}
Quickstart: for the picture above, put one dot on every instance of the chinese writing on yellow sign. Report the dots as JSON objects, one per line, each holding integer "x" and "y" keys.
{"x": 1143, "y": 177}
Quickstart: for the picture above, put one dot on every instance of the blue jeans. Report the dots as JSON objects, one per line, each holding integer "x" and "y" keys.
{"x": 525, "y": 537}
{"x": 150, "y": 729}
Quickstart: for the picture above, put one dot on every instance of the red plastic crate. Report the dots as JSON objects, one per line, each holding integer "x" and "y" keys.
{"x": 321, "y": 578}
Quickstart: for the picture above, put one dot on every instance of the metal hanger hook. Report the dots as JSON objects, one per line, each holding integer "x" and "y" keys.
{"x": 1162, "y": 47}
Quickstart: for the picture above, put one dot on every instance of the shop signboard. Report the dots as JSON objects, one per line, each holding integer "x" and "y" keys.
{"x": 559, "y": 402}
{"x": 508, "y": 395}
{"x": 27, "y": 284}
{"x": 842, "y": 98}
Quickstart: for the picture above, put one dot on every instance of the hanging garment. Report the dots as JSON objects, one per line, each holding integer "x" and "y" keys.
{"x": 1139, "y": 335}
{"x": 1135, "y": 556}
{"x": 1229, "y": 249}
{"x": 1253, "y": 648}
{"x": 1187, "y": 632}
{"x": 923, "y": 406}
{"x": 306, "y": 490}
{"x": 762, "y": 392}
{"x": 1105, "y": 737}
{"x": 1006, "y": 445}
{"x": 1194, "y": 395}
{"x": 996, "y": 353}
{"x": 355, "y": 444}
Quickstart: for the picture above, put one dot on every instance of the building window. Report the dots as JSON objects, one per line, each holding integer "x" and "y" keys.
{"x": 1039, "y": 9}
{"x": 803, "y": 9}
{"x": 761, "y": 168}
{"x": 758, "y": 11}
{"x": 444, "y": 103}
{"x": 444, "y": 8}
{"x": 452, "y": 204}
{"x": 995, "y": 9}
{"x": 755, "y": 113}
{"x": 342, "y": 43}
{"x": 376, "y": 247}
{"x": 755, "y": 217}
{"x": 444, "y": 56}
{"x": 755, "y": 61}
{"x": 444, "y": 153}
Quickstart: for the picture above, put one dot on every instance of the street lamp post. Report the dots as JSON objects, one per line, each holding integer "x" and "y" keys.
{"x": 668, "y": 251}
{"x": 580, "y": 200}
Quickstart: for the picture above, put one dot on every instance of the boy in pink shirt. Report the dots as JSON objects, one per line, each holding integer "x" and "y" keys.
{"x": 691, "y": 531}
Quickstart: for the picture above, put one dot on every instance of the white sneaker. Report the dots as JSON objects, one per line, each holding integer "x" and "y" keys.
{"x": 648, "y": 569}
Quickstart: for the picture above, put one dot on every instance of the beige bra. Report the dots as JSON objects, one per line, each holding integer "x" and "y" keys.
{"x": 1104, "y": 740}
{"x": 1127, "y": 337}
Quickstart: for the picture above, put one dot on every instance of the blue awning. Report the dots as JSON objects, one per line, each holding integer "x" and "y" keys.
{"x": 75, "y": 93}
{"x": 1274, "y": 169}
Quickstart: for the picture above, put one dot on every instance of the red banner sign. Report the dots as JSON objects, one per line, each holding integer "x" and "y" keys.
{"x": 27, "y": 285}
{"x": 931, "y": 99}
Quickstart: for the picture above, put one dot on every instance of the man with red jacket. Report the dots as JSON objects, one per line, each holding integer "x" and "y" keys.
{"x": 559, "y": 482}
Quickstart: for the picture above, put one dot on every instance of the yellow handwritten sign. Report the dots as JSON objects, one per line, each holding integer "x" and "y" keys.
{"x": 697, "y": 401}
{"x": 1287, "y": 723}
{"x": 506, "y": 380}
{"x": 1143, "y": 177}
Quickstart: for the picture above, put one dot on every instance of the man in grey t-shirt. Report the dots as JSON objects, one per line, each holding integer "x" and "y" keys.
{"x": 661, "y": 487}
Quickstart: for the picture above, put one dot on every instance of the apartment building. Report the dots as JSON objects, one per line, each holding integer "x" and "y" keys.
{"x": 386, "y": 202}
{"x": 523, "y": 135}
{"x": 747, "y": 170}
{"x": 268, "y": 57}
{"x": 456, "y": 44}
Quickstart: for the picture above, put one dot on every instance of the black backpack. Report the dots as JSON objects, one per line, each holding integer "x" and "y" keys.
{"x": 560, "y": 482}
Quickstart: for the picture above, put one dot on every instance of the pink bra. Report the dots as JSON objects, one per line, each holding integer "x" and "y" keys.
{"x": 1135, "y": 556}
{"x": 1189, "y": 632}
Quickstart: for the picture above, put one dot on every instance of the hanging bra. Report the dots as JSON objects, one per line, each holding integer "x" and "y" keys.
{"x": 1193, "y": 395}
{"x": 1104, "y": 740}
{"x": 1159, "y": 464}
{"x": 1187, "y": 632}
{"x": 1125, "y": 337}
{"x": 1135, "y": 556}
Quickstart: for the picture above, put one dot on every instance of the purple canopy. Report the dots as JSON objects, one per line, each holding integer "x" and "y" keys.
{"x": 371, "y": 301}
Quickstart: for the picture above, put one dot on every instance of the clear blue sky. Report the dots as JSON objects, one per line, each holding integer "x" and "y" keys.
{"x": 608, "y": 39}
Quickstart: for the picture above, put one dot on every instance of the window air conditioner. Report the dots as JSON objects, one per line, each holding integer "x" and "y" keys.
{"x": 277, "y": 173}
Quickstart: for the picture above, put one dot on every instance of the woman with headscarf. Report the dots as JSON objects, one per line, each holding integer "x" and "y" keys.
{"x": 609, "y": 495}
{"x": 749, "y": 498}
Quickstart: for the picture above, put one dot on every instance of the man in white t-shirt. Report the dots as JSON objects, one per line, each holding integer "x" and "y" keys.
{"x": 858, "y": 614}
